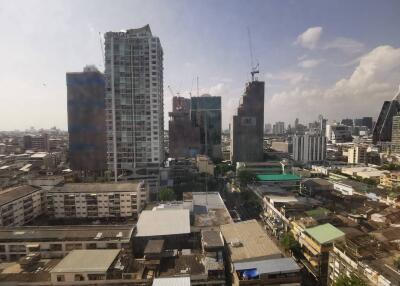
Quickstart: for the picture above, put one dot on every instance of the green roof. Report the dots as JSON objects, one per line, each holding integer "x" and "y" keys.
{"x": 318, "y": 213}
{"x": 277, "y": 177}
{"x": 324, "y": 233}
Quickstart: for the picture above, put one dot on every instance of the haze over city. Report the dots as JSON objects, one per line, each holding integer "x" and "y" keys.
{"x": 340, "y": 58}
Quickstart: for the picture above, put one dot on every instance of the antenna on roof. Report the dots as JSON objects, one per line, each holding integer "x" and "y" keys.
{"x": 254, "y": 67}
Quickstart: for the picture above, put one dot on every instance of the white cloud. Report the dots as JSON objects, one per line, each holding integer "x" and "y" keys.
{"x": 310, "y": 38}
{"x": 346, "y": 45}
{"x": 373, "y": 80}
{"x": 310, "y": 63}
{"x": 288, "y": 76}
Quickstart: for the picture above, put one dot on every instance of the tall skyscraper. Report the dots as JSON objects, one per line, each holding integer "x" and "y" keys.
{"x": 383, "y": 128}
{"x": 184, "y": 137}
{"x": 247, "y": 128}
{"x": 134, "y": 103}
{"x": 86, "y": 120}
{"x": 396, "y": 133}
{"x": 309, "y": 148}
{"x": 206, "y": 114}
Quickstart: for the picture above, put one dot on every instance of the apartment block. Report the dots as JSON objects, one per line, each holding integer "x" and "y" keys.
{"x": 20, "y": 205}
{"x": 309, "y": 148}
{"x": 357, "y": 155}
{"x": 97, "y": 200}
{"x": 134, "y": 105}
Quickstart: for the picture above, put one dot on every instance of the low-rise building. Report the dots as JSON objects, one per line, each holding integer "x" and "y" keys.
{"x": 390, "y": 180}
{"x": 255, "y": 259}
{"x": 97, "y": 200}
{"x": 57, "y": 241}
{"x": 205, "y": 165}
{"x": 20, "y": 205}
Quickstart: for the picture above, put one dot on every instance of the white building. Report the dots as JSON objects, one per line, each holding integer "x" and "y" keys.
{"x": 97, "y": 200}
{"x": 134, "y": 104}
{"x": 338, "y": 133}
{"x": 357, "y": 155}
{"x": 19, "y": 205}
{"x": 309, "y": 148}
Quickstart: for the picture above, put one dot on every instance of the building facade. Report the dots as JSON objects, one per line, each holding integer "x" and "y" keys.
{"x": 309, "y": 148}
{"x": 97, "y": 200}
{"x": 396, "y": 134}
{"x": 134, "y": 105}
{"x": 278, "y": 128}
{"x": 206, "y": 115}
{"x": 382, "y": 131}
{"x": 357, "y": 155}
{"x": 247, "y": 125}
{"x": 86, "y": 120}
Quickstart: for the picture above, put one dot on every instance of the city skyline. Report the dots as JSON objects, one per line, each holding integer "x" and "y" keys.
{"x": 311, "y": 63}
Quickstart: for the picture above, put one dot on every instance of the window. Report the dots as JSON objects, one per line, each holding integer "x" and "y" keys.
{"x": 79, "y": 277}
{"x": 60, "y": 278}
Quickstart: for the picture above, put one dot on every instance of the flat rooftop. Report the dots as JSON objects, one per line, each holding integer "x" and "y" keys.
{"x": 87, "y": 260}
{"x": 97, "y": 187}
{"x": 277, "y": 177}
{"x": 269, "y": 266}
{"x": 15, "y": 193}
{"x": 248, "y": 241}
{"x": 172, "y": 281}
{"x": 324, "y": 233}
{"x": 163, "y": 222}
{"x": 65, "y": 233}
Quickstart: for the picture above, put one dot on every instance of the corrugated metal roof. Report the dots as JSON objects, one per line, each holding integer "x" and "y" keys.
{"x": 269, "y": 266}
{"x": 324, "y": 233}
{"x": 163, "y": 222}
{"x": 172, "y": 281}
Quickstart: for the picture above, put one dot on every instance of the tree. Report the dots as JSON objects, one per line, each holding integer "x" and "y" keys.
{"x": 245, "y": 177}
{"x": 167, "y": 194}
{"x": 290, "y": 243}
{"x": 345, "y": 280}
{"x": 396, "y": 263}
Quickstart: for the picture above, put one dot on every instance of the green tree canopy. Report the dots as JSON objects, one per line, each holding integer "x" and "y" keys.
{"x": 290, "y": 243}
{"x": 345, "y": 280}
{"x": 245, "y": 177}
{"x": 167, "y": 194}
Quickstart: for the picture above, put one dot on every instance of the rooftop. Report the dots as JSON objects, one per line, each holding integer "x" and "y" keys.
{"x": 269, "y": 266}
{"x": 172, "y": 281}
{"x": 163, "y": 222}
{"x": 247, "y": 241}
{"x": 14, "y": 193}
{"x": 87, "y": 260}
{"x": 324, "y": 233}
{"x": 98, "y": 187}
{"x": 212, "y": 238}
{"x": 66, "y": 233}
{"x": 277, "y": 177}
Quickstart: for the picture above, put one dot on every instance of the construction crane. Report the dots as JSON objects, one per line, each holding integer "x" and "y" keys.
{"x": 254, "y": 67}
{"x": 102, "y": 49}
{"x": 172, "y": 92}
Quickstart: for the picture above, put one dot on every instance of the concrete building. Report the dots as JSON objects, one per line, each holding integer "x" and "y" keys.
{"x": 206, "y": 115}
{"x": 58, "y": 241}
{"x": 87, "y": 120}
{"x": 247, "y": 125}
{"x": 278, "y": 128}
{"x": 357, "y": 155}
{"x": 338, "y": 133}
{"x": 383, "y": 127}
{"x": 134, "y": 105}
{"x": 396, "y": 134}
{"x": 36, "y": 142}
{"x": 254, "y": 258}
{"x": 205, "y": 165}
{"x": 184, "y": 137}
{"x": 86, "y": 265}
{"x": 309, "y": 148}
{"x": 20, "y": 205}
{"x": 97, "y": 200}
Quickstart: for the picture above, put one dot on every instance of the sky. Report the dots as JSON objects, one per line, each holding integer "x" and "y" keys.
{"x": 340, "y": 59}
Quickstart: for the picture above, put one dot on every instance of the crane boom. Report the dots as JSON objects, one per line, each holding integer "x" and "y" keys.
{"x": 254, "y": 68}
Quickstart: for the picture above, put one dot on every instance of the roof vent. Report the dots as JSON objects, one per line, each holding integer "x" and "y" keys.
{"x": 236, "y": 243}
{"x": 99, "y": 235}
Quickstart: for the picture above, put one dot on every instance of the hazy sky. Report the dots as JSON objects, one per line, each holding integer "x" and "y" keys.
{"x": 338, "y": 58}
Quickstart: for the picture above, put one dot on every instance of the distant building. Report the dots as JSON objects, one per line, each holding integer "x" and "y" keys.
{"x": 206, "y": 115}
{"x": 347, "y": 122}
{"x": 134, "y": 105}
{"x": 383, "y": 127}
{"x": 247, "y": 133}
{"x": 309, "y": 148}
{"x": 36, "y": 142}
{"x": 87, "y": 120}
{"x": 396, "y": 133}
{"x": 338, "y": 133}
{"x": 367, "y": 122}
{"x": 268, "y": 128}
{"x": 278, "y": 128}
{"x": 357, "y": 155}
{"x": 184, "y": 137}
